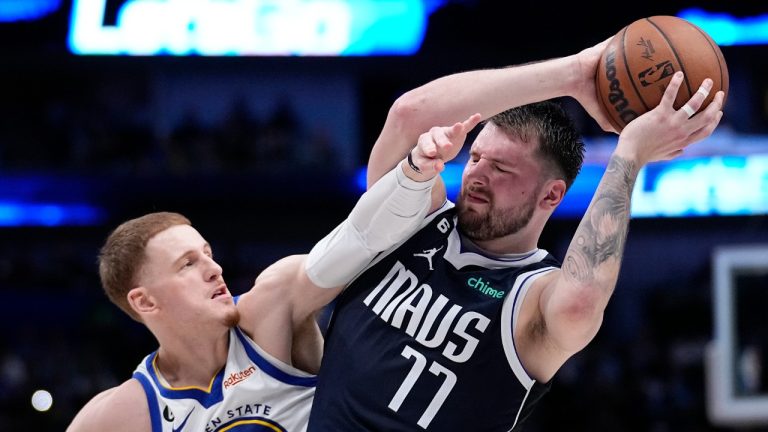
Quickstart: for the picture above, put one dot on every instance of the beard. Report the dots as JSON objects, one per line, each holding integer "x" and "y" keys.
{"x": 494, "y": 222}
{"x": 232, "y": 318}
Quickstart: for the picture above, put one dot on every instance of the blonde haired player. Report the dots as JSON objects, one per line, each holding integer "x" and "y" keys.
{"x": 246, "y": 364}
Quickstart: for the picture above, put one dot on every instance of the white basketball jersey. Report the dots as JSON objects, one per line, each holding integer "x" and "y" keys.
{"x": 253, "y": 392}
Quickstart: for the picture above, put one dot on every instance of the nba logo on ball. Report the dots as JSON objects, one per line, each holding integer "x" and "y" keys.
{"x": 638, "y": 63}
{"x": 655, "y": 74}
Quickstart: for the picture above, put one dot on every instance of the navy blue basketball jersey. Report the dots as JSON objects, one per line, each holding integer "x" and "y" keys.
{"x": 422, "y": 340}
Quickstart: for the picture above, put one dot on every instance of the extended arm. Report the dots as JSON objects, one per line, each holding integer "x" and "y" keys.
{"x": 389, "y": 211}
{"x": 572, "y": 301}
{"x": 488, "y": 92}
{"x": 277, "y": 310}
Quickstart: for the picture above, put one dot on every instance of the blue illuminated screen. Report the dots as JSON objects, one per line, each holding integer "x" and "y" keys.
{"x": 251, "y": 27}
{"x": 699, "y": 186}
{"x": 727, "y": 29}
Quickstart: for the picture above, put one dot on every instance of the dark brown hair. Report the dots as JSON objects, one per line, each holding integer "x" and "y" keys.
{"x": 560, "y": 145}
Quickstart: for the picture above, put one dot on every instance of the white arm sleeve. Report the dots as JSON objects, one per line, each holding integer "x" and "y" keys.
{"x": 386, "y": 214}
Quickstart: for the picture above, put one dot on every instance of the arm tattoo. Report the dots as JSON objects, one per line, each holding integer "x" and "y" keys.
{"x": 603, "y": 230}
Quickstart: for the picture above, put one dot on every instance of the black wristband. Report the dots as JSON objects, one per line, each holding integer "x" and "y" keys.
{"x": 411, "y": 164}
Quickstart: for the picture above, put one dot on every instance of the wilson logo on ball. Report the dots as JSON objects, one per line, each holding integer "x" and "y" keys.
{"x": 640, "y": 60}
{"x": 616, "y": 94}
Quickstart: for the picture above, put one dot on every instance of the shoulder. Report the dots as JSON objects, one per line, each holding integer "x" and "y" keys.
{"x": 285, "y": 269}
{"x": 441, "y": 220}
{"x": 121, "y": 408}
{"x": 270, "y": 302}
{"x": 274, "y": 283}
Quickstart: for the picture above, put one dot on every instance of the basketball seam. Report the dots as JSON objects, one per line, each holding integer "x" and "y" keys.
{"x": 629, "y": 72}
{"x": 715, "y": 51}
{"x": 674, "y": 51}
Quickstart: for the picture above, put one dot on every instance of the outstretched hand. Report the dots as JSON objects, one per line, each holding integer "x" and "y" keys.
{"x": 664, "y": 132}
{"x": 438, "y": 146}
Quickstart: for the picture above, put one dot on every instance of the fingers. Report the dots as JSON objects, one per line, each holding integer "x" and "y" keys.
{"x": 694, "y": 104}
{"x": 471, "y": 122}
{"x": 705, "y": 122}
{"x": 447, "y": 137}
{"x": 716, "y": 104}
{"x": 427, "y": 144}
{"x": 689, "y": 112}
{"x": 672, "y": 155}
{"x": 707, "y": 129}
{"x": 462, "y": 128}
{"x": 444, "y": 137}
{"x": 441, "y": 144}
{"x": 423, "y": 158}
{"x": 670, "y": 94}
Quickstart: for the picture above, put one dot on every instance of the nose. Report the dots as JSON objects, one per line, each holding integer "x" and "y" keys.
{"x": 476, "y": 173}
{"x": 213, "y": 270}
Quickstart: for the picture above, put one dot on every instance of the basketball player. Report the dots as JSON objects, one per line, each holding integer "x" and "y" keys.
{"x": 463, "y": 326}
{"x": 247, "y": 363}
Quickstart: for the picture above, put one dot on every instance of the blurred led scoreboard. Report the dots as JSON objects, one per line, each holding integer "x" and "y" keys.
{"x": 250, "y": 27}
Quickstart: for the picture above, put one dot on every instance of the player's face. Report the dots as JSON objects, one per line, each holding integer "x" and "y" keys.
{"x": 185, "y": 280}
{"x": 499, "y": 186}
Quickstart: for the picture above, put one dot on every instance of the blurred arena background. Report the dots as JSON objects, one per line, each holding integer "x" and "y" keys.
{"x": 263, "y": 150}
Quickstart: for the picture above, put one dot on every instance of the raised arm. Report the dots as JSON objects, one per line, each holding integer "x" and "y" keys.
{"x": 278, "y": 311}
{"x": 455, "y": 97}
{"x": 569, "y": 303}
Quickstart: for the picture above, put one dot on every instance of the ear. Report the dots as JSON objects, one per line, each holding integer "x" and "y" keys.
{"x": 140, "y": 300}
{"x": 552, "y": 194}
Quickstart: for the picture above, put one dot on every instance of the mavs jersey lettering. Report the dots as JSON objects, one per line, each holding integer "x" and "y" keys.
{"x": 422, "y": 340}
{"x": 254, "y": 392}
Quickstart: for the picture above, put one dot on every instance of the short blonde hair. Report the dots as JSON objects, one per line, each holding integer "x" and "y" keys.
{"x": 124, "y": 253}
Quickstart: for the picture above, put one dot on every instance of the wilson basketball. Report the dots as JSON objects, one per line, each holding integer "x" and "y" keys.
{"x": 639, "y": 62}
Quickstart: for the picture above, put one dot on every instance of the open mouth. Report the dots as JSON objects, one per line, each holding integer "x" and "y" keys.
{"x": 220, "y": 291}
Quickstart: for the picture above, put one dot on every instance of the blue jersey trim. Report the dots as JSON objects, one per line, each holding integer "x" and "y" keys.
{"x": 205, "y": 398}
{"x": 154, "y": 409}
{"x": 271, "y": 369}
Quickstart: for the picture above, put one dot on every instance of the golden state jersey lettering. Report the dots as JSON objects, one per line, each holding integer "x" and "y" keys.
{"x": 249, "y": 424}
{"x": 253, "y": 392}
{"x": 404, "y": 303}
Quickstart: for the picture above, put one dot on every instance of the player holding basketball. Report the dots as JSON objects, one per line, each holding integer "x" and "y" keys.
{"x": 462, "y": 326}
{"x": 244, "y": 364}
